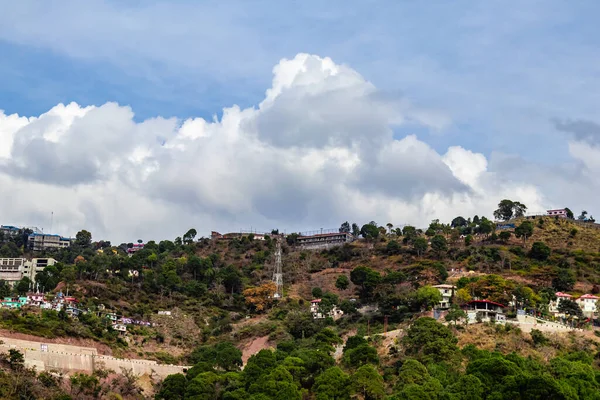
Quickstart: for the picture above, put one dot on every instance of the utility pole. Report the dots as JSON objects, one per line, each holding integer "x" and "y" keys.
{"x": 278, "y": 273}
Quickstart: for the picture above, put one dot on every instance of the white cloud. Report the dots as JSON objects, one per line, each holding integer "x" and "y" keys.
{"x": 317, "y": 151}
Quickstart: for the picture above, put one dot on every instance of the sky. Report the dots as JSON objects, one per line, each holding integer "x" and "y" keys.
{"x": 141, "y": 119}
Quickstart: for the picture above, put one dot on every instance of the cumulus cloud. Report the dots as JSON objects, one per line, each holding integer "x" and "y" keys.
{"x": 318, "y": 150}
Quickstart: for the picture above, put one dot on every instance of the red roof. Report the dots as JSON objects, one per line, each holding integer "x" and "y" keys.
{"x": 589, "y": 296}
{"x": 561, "y": 294}
{"x": 487, "y": 301}
{"x": 316, "y": 301}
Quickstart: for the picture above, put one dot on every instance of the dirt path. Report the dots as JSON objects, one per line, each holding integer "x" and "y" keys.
{"x": 254, "y": 347}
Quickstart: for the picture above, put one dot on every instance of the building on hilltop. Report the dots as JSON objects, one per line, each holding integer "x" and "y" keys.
{"x": 44, "y": 241}
{"x": 315, "y": 309}
{"x": 15, "y": 269}
{"x": 237, "y": 235}
{"x": 9, "y": 230}
{"x": 324, "y": 240}
{"x": 135, "y": 248}
{"x": 486, "y": 309}
{"x": 560, "y": 296}
{"x": 588, "y": 303}
{"x": 562, "y": 213}
{"x": 447, "y": 291}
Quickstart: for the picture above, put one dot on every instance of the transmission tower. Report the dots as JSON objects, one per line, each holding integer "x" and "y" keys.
{"x": 278, "y": 274}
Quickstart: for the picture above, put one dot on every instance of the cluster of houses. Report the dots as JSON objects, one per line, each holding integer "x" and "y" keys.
{"x": 71, "y": 307}
{"x": 488, "y": 310}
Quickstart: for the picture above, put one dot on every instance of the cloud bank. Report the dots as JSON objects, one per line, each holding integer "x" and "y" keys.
{"x": 318, "y": 150}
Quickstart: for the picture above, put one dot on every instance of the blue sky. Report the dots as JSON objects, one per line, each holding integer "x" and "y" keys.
{"x": 500, "y": 69}
{"x": 501, "y": 73}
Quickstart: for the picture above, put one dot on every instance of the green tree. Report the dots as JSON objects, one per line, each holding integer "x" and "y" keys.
{"x": 564, "y": 280}
{"x": 355, "y": 229}
{"x": 369, "y": 231}
{"x": 392, "y": 248}
{"x": 333, "y": 384}
{"x": 428, "y": 340}
{"x": 83, "y": 238}
{"x": 189, "y": 236}
{"x": 540, "y": 251}
{"x": 428, "y": 297}
{"x": 10, "y": 250}
{"x": 524, "y": 230}
{"x": 360, "y": 355}
{"x": 420, "y": 245}
{"x": 409, "y": 233}
{"x": 459, "y": 222}
{"x": 455, "y": 314}
{"x": 570, "y": 308}
{"x": 467, "y": 387}
{"x": 570, "y": 214}
{"x": 172, "y": 388}
{"x": 317, "y": 292}
{"x": 366, "y": 279}
{"x": 468, "y": 240}
{"x": 345, "y": 227}
{"x": 367, "y": 381}
{"x": 342, "y": 282}
{"x": 508, "y": 209}
{"x": 504, "y": 236}
{"x": 439, "y": 244}
{"x": 222, "y": 355}
{"x": 23, "y": 286}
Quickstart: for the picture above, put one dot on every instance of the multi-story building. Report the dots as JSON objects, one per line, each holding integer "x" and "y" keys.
{"x": 587, "y": 303}
{"x": 562, "y": 213}
{"x": 486, "y": 309}
{"x": 324, "y": 240}
{"x": 560, "y": 296}
{"x": 43, "y": 241}
{"x": 14, "y": 269}
{"x": 9, "y": 230}
{"x": 447, "y": 291}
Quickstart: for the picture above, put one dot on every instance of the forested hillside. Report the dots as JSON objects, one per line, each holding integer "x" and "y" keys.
{"x": 223, "y": 315}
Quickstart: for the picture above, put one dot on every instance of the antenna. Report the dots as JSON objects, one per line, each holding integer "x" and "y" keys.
{"x": 51, "y": 220}
{"x": 278, "y": 274}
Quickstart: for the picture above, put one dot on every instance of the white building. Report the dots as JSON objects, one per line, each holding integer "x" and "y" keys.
{"x": 335, "y": 312}
{"x": 447, "y": 291}
{"x": 562, "y": 213}
{"x": 553, "y": 306}
{"x": 14, "y": 269}
{"x": 587, "y": 303}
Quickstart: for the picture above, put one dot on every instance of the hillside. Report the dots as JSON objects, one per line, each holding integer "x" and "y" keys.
{"x": 218, "y": 293}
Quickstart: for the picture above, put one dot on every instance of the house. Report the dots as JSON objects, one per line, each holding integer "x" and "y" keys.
{"x": 562, "y": 213}
{"x": 14, "y": 302}
{"x": 447, "y": 291}
{"x": 135, "y": 248}
{"x": 74, "y": 311}
{"x": 44, "y": 241}
{"x": 486, "y": 309}
{"x": 587, "y": 303}
{"x": 553, "y": 306}
{"x": 112, "y": 317}
{"x": 315, "y": 310}
{"x": 121, "y": 328}
{"x": 324, "y": 240}
{"x": 35, "y": 299}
